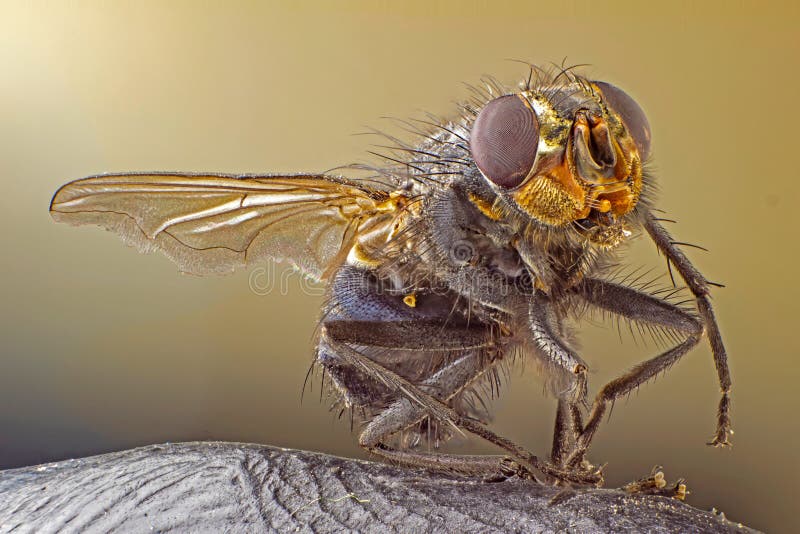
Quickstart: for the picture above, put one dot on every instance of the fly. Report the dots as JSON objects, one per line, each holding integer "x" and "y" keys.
{"x": 472, "y": 247}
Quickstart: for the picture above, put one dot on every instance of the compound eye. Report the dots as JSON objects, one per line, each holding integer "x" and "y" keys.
{"x": 631, "y": 114}
{"x": 504, "y": 140}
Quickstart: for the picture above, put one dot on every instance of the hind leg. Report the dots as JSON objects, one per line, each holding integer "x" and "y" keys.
{"x": 405, "y": 412}
{"x": 413, "y": 404}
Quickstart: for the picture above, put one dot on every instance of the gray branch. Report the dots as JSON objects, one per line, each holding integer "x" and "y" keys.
{"x": 232, "y": 487}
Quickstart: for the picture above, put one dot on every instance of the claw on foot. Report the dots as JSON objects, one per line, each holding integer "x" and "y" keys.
{"x": 510, "y": 469}
{"x": 724, "y": 430}
{"x": 586, "y": 475}
{"x": 722, "y": 438}
{"x": 656, "y": 484}
{"x": 592, "y": 476}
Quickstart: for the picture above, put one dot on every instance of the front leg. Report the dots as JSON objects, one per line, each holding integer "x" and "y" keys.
{"x": 699, "y": 287}
{"x": 636, "y": 306}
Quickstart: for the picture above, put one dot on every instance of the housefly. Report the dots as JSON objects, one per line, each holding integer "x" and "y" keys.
{"x": 469, "y": 247}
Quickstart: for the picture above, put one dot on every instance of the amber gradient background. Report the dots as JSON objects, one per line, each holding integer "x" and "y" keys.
{"x": 104, "y": 349}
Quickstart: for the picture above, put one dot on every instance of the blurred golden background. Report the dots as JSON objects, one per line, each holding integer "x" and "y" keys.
{"x": 104, "y": 348}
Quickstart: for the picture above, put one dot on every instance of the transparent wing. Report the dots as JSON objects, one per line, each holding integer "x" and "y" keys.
{"x": 213, "y": 223}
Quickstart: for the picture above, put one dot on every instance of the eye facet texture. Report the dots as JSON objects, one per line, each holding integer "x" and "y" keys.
{"x": 504, "y": 140}
{"x": 631, "y": 114}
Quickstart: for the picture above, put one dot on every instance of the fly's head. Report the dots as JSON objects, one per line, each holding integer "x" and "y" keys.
{"x": 566, "y": 155}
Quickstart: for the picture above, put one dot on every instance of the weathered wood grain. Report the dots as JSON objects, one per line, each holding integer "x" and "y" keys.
{"x": 232, "y": 487}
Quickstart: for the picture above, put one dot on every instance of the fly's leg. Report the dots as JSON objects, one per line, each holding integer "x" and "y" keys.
{"x": 413, "y": 404}
{"x": 569, "y": 423}
{"x": 405, "y": 412}
{"x": 571, "y": 371}
{"x": 560, "y": 434}
{"x": 639, "y": 307}
{"x": 700, "y": 289}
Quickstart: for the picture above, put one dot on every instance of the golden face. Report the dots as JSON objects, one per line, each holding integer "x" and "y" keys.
{"x": 564, "y": 154}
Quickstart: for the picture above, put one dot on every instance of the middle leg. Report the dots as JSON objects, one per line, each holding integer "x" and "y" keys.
{"x": 567, "y": 372}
